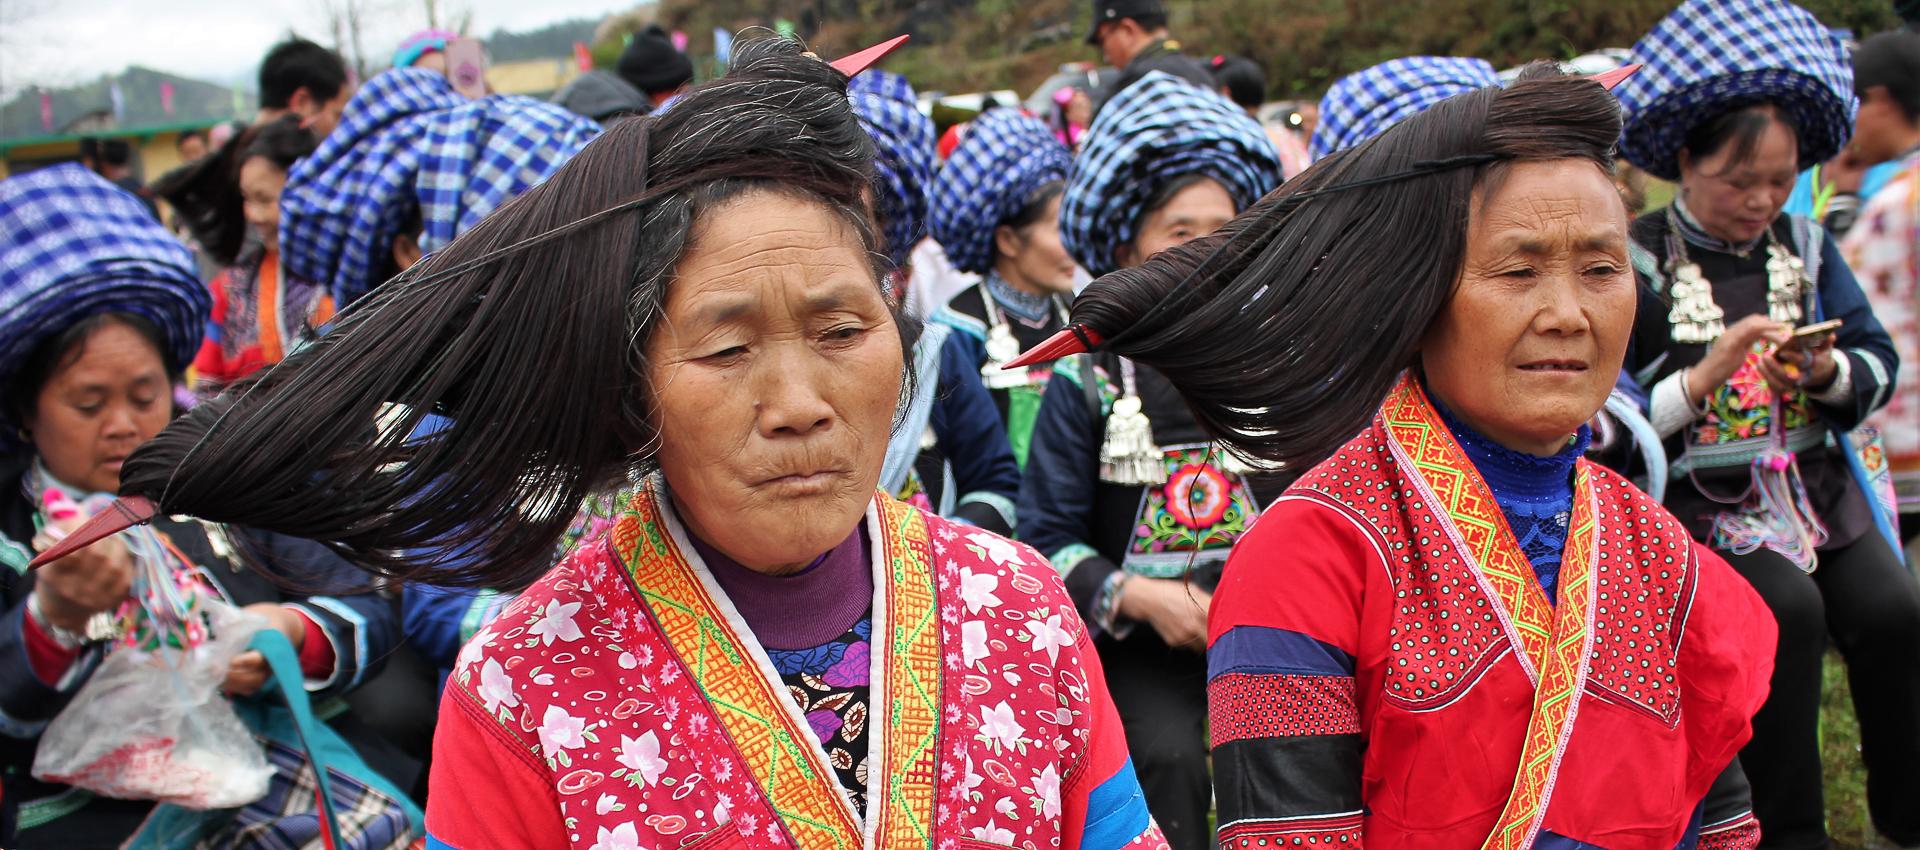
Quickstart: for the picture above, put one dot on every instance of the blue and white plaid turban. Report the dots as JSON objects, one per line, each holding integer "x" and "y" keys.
{"x": 1364, "y": 104}
{"x": 408, "y": 142}
{"x": 1159, "y": 129}
{"x": 883, "y": 84}
{"x": 1005, "y": 158}
{"x": 72, "y": 246}
{"x": 903, "y": 157}
{"x": 1712, "y": 56}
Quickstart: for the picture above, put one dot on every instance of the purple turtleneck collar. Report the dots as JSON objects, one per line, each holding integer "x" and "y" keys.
{"x": 804, "y": 609}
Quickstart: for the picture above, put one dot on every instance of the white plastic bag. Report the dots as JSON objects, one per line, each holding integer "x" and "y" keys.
{"x": 152, "y": 724}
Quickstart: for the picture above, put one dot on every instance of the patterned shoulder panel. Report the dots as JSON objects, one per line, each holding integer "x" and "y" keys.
{"x": 1445, "y": 633}
{"x": 1026, "y": 696}
{"x": 1645, "y": 578}
{"x": 516, "y": 660}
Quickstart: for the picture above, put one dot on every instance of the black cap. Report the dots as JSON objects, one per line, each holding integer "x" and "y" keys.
{"x": 651, "y": 63}
{"x": 1113, "y": 10}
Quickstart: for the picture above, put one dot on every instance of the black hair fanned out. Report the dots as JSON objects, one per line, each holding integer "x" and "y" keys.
{"x": 206, "y": 194}
{"x": 1285, "y": 330}
{"x": 526, "y": 336}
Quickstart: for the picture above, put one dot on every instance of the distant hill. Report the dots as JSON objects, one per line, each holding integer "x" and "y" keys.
{"x": 551, "y": 42}
{"x": 141, "y": 104}
{"x": 970, "y": 45}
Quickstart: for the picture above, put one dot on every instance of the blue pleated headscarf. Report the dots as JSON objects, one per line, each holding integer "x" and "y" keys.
{"x": 409, "y": 144}
{"x": 1157, "y": 130}
{"x": 1365, "y": 103}
{"x": 903, "y": 159}
{"x": 1709, "y": 57}
{"x": 72, "y": 246}
{"x": 1006, "y": 157}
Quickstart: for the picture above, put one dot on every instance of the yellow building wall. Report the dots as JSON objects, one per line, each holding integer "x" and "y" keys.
{"x": 536, "y": 77}
{"x": 155, "y": 155}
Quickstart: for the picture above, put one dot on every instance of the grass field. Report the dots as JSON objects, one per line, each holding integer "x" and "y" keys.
{"x": 1840, "y": 761}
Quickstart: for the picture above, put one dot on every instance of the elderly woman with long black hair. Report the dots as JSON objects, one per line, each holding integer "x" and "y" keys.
{"x": 1452, "y": 631}
{"x": 762, "y": 651}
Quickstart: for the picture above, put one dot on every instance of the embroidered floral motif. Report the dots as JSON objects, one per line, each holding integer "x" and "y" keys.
{"x": 831, "y": 685}
{"x": 1743, "y": 408}
{"x": 1200, "y": 507}
{"x": 578, "y": 672}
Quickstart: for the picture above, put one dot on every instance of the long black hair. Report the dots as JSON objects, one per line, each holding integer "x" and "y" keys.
{"x": 1284, "y": 330}
{"x": 527, "y": 334}
{"x": 206, "y": 194}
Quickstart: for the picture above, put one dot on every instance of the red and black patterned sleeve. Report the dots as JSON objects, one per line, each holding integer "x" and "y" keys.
{"x": 1285, "y": 629}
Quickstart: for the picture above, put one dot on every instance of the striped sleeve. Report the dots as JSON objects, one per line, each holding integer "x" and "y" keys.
{"x": 1101, "y": 804}
{"x": 1287, "y": 746}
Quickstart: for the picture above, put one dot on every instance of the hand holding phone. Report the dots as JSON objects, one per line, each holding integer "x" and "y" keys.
{"x": 1811, "y": 337}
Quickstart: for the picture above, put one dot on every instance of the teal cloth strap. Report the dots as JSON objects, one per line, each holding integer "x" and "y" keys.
{"x": 288, "y": 680}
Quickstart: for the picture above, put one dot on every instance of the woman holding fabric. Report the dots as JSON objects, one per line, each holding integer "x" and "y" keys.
{"x": 996, "y": 211}
{"x": 1732, "y": 119}
{"x": 1121, "y": 490}
{"x": 1453, "y": 631}
{"x": 762, "y": 652}
{"x": 103, "y": 309}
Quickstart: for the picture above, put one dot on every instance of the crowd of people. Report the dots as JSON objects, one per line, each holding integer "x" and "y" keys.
{"x": 750, "y": 464}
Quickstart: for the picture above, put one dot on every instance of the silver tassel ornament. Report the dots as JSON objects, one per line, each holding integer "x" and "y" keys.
{"x": 1129, "y": 455}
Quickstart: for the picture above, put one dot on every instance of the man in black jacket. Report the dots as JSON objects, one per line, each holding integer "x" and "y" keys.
{"x": 1132, "y": 36}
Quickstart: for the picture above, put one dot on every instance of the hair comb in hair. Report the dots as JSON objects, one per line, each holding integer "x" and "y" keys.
{"x": 1079, "y": 339}
{"x": 854, "y": 63}
{"x": 120, "y": 516}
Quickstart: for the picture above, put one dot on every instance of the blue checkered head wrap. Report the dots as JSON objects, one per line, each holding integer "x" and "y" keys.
{"x": 903, "y": 142}
{"x": 1712, "y": 56}
{"x": 883, "y": 84}
{"x": 409, "y": 144}
{"x": 1365, "y": 103}
{"x": 1157, "y": 130}
{"x": 73, "y": 246}
{"x": 1005, "y": 158}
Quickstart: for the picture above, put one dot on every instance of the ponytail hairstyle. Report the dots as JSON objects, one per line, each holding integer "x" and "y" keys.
{"x": 526, "y": 336}
{"x": 1285, "y": 329}
{"x": 206, "y": 193}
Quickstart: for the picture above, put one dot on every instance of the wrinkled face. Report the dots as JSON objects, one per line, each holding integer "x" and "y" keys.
{"x": 1736, "y": 201}
{"x": 1035, "y": 252}
{"x": 775, "y": 372}
{"x": 260, "y": 183}
{"x": 96, "y": 409}
{"x": 1532, "y": 340}
{"x": 1200, "y": 208}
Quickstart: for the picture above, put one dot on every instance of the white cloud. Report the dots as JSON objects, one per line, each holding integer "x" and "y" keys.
{"x": 57, "y": 42}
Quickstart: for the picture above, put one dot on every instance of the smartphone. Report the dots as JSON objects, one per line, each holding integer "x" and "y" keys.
{"x": 467, "y": 67}
{"x": 1814, "y": 335}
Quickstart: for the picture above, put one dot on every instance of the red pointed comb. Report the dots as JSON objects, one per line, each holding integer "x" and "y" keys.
{"x": 1614, "y": 77}
{"x": 855, "y": 63}
{"x": 123, "y": 514}
{"x": 1073, "y": 339}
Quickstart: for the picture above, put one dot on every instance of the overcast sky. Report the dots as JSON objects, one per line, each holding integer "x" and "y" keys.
{"x": 57, "y": 42}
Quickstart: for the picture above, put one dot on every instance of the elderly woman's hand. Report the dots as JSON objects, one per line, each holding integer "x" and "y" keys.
{"x": 87, "y": 582}
{"x": 1729, "y": 352}
{"x": 1175, "y": 610}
